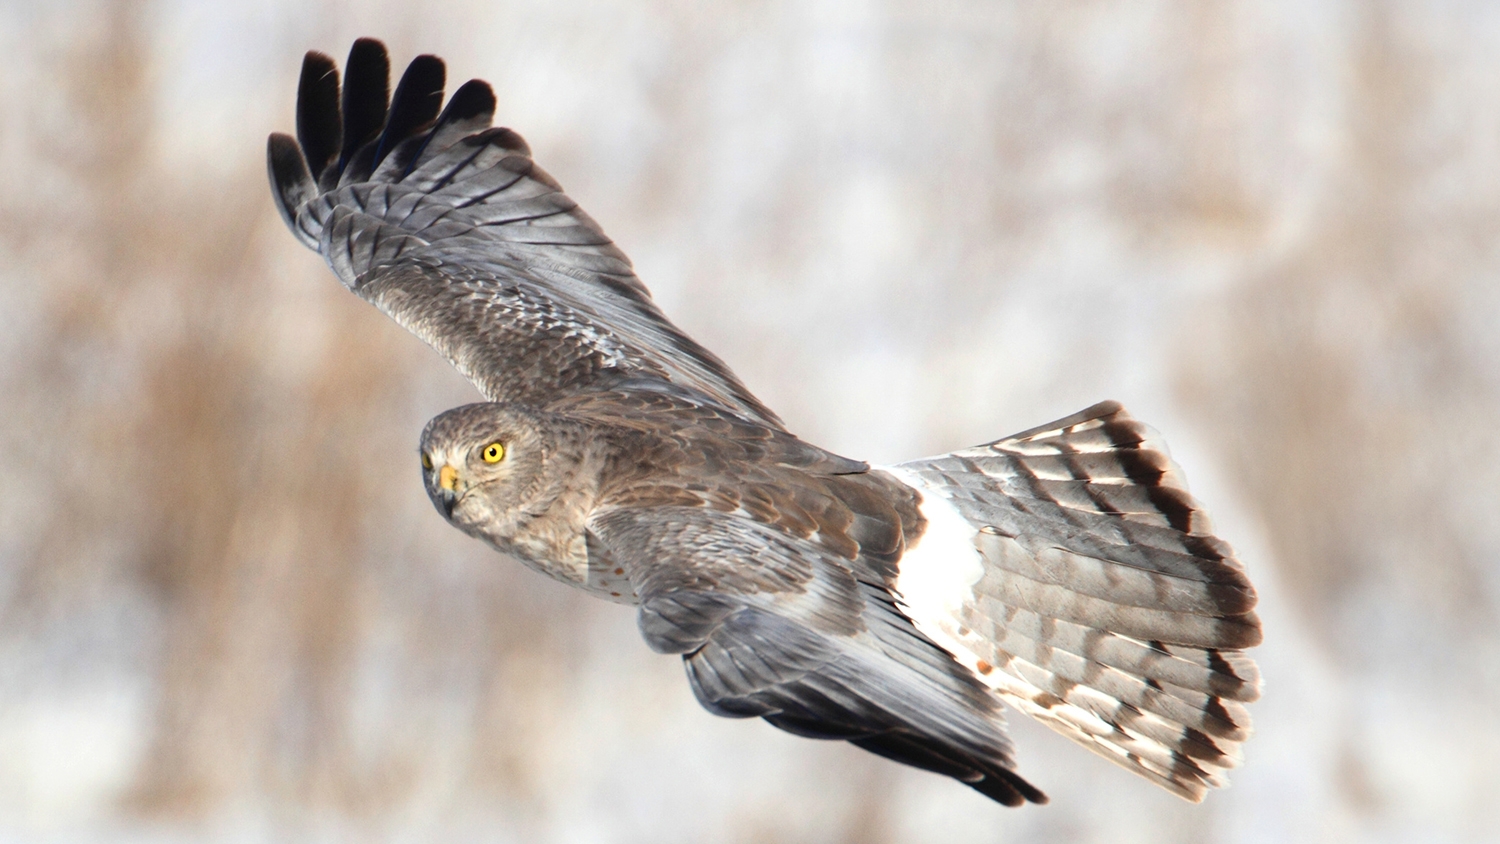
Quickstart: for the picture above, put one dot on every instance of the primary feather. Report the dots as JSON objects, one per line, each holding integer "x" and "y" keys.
{"x": 1065, "y": 570}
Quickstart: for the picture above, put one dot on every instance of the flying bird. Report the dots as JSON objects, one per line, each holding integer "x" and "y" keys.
{"x": 1064, "y": 571}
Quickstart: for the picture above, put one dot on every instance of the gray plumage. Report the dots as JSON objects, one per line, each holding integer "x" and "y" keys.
{"x": 1065, "y": 570}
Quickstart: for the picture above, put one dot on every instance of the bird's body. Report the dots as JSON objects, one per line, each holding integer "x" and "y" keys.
{"x": 1064, "y": 570}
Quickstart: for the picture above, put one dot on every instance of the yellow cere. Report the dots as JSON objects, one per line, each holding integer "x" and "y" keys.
{"x": 494, "y": 453}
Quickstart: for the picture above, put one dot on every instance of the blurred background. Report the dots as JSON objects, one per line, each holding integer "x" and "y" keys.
{"x": 228, "y": 613}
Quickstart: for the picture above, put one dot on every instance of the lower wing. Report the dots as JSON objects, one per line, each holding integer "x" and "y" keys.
{"x": 775, "y": 627}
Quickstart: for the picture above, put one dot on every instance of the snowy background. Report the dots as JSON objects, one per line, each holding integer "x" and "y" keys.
{"x": 228, "y": 612}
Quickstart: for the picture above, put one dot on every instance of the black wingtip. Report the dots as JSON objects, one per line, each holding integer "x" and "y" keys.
{"x": 1005, "y": 787}
{"x": 474, "y": 98}
{"x": 319, "y": 126}
{"x": 1028, "y": 792}
{"x": 367, "y": 82}
{"x": 416, "y": 103}
{"x": 291, "y": 183}
{"x": 349, "y": 132}
{"x": 473, "y": 103}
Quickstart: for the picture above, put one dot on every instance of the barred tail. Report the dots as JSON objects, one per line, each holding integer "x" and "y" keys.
{"x": 1069, "y": 568}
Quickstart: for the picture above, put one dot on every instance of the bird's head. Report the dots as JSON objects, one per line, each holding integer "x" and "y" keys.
{"x": 487, "y": 465}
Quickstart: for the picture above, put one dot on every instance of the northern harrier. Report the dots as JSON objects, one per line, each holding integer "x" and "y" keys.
{"x": 1064, "y": 570}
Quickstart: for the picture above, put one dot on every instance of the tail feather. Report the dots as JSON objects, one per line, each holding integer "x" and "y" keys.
{"x": 1026, "y": 631}
{"x": 998, "y": 491}
{"x": 1045, "y": 564}
{"x": 1171, "y": 755}
{"x": 1002, "y": 592}
{"x": 1104, "y": 606}
{"x": 1133, "y": 503}
{"x": 1209, "y": 713}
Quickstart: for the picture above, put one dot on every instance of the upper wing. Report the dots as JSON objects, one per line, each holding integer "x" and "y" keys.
{"x": 447, "y": 226}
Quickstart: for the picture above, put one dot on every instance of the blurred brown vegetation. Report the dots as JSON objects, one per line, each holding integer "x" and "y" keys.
{"x": 214, "y": 539}
{"x": 1359, "y": 401}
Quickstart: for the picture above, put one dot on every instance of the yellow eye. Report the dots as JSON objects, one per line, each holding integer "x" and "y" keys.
{"x": 494, "y": 453}
{"x": 426, "y": 461}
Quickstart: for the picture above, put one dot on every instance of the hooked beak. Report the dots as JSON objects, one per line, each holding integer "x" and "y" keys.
{"x": 448, "y": 489}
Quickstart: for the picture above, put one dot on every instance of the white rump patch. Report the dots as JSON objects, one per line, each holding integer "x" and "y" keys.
{"x": 936, "y": 576}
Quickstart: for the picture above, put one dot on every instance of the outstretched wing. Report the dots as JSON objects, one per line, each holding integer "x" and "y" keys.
{"x": 1099, "y": 600}
{"x": 447, "y": 226}
{"x": 780, "y": 627}
{"x": 766, "y": 562}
